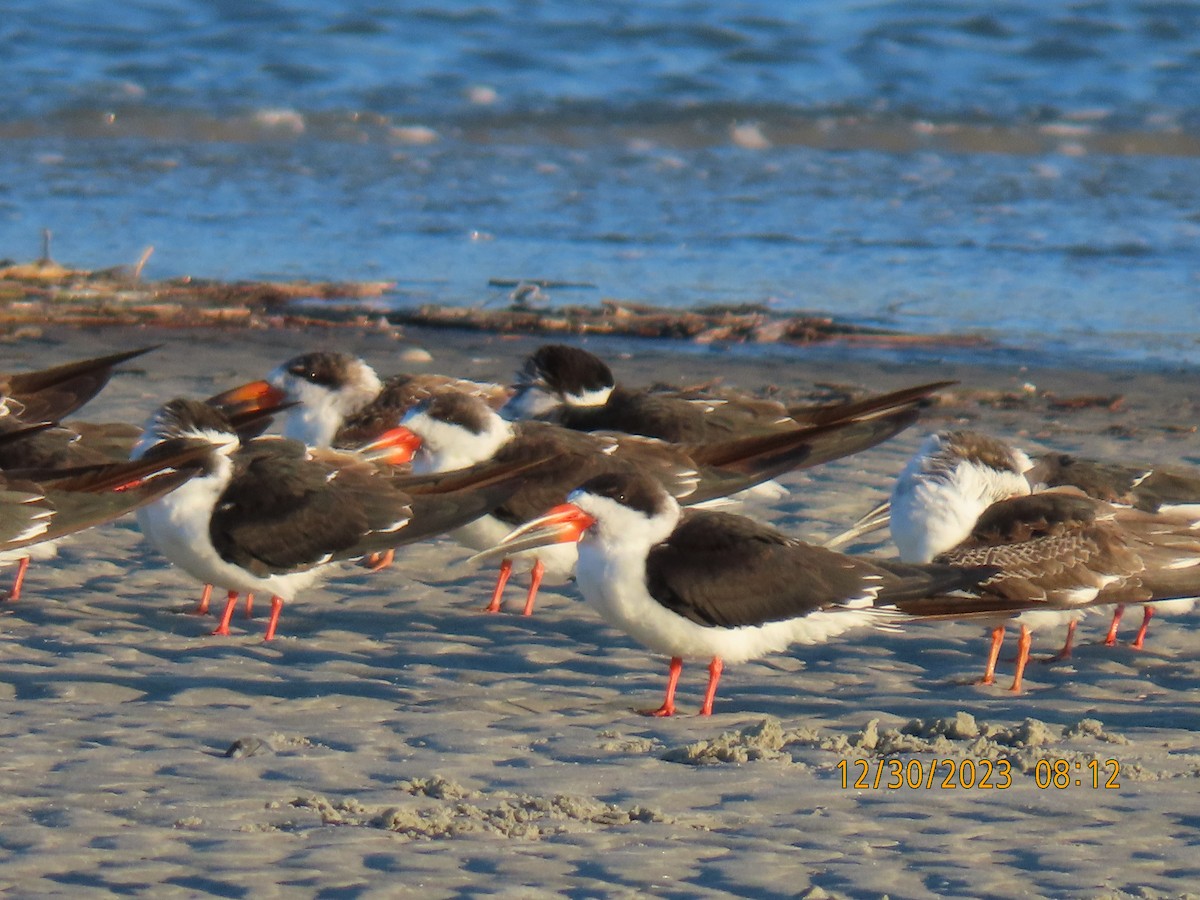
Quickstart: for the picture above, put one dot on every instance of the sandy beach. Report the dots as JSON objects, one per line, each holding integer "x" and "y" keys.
{"x": 394, "y": 740}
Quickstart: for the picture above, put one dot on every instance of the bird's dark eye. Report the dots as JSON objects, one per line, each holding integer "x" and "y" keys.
{"x": 313, "y": 374}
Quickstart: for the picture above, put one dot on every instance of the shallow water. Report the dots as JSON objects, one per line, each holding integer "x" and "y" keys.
{"x": 1024, "y": 171}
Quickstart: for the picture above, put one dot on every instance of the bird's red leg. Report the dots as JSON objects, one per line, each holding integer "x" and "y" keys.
{"x": 1111, "y": 637}
{"x": 501, "y": 581}
{"x": 205, "y": 596}
{"x": 22, "y": 568}
{"x": 1065, "y": 652}
{"x": 227, "y": 615}
{"x": 536, "y": 575}
{"x": 668, "y": 707}
{"x": 276, "y": 609}
{"x": 377, "y": 562}
{"x": 989, "y": 673}
{"x": 1147, "y": 614}
{"x": 249, "y": 606}
{"x": 1023, "y": 645}
{"x": 714, "y": 675}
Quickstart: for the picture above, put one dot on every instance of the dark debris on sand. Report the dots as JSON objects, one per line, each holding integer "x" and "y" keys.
{"x": 44, "y": 290}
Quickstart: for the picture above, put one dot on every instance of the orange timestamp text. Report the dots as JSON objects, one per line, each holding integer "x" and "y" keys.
{"x": 973, "y": 774}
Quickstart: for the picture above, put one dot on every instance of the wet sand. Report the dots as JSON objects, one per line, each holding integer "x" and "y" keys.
{"x": 395, "y": 740}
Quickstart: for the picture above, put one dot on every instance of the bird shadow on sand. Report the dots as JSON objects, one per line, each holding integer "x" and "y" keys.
{"x": 361, "y": 639}
{"x": 934, "y": 672}
{"x": 394, "y": 636}
{"x": 125, "y": 887}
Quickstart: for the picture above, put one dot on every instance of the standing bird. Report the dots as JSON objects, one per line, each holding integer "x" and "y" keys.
{"x": 456, "y": 430}
{"x": 1173, "y": 490}
{"x": 967, "y": 498}
{"x": 45, "y": 396}
{"x": 986, "y": 470}
{"x": 53, "y": 447}
{"x": 721, "y": 587}
{"x": 38, "y": 507}
{"x": 270, "y": 516}
{"x": 1066, "y": 552}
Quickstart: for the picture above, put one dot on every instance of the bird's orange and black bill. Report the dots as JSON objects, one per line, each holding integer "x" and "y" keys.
{"x": 395, "y": 447}
{"x": 252, "y": 396}
{"x": 563, "y": 524}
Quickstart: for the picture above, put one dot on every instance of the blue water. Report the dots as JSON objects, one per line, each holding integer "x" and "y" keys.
{"x": 1028, "y": 171}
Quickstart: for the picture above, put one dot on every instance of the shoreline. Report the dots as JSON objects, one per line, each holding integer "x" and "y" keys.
{"x": 371, "y": 330}
{"x": 44, "y": 294}
{"x": 44, "y": 291}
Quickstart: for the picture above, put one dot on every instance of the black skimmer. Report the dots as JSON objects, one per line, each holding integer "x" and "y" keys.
{"x": 270, "y": 516}
{"x": 572, "y": 387}
{"x": 721, "y": 587}
{"x": 55, "y": 447}
{"x": 341, "y": 402}
{"x": 1064, "y": 551}
{"x": 49, "y": 394}
{"x": 992, "y": 470}
{"x": 38, "y": 507}
{"x": 456, "y": 430}
{"x": 1166, "y": 489}
{"x": 966, "y": 497}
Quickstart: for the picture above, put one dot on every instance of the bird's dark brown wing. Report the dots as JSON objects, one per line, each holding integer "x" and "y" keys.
{"x": 447, "y": 500}
{"x": 1148, "y": 488}
{"x": 693, "y": 421}
{"x": 676, "y": 417}
{"x": 77, "y": 511}
{"x": 840, "y": 412}
{"x": 184, "y": 456}
{"x": 725, "y": 570}
{"x": 61, "y": 390}
{"x": 284, "y": 511}
{"x": 1054, "y": 548}
{"x": 730, "y": 466}
{"x": 51, "y": 448}
{"x": 695, "y": 472}
{"x": 92, "y": 495}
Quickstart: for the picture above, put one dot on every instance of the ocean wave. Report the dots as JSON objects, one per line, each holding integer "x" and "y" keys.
{"x": 640, "y": 127}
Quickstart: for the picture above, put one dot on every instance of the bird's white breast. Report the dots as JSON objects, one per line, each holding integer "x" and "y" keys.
{"x": 178, "y": 526}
